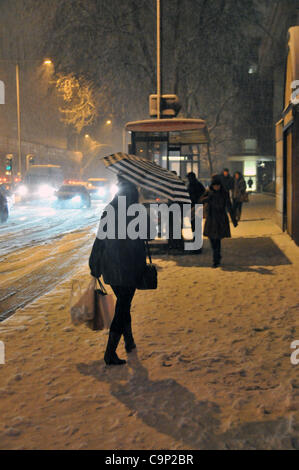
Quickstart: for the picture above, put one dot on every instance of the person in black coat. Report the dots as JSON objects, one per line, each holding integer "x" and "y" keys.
{"x": 196, "y": 191}
{"x": 227, "y": 180}
{"x": 239, "y": 192}
{"x": 217, "y": 223}
{"x": 121, "y": 262}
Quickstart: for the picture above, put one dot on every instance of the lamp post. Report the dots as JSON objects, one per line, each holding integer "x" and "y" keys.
{"x": 46, "y": 62}
{"x": 19, "y": 120}
{"x": 158, "y": 59}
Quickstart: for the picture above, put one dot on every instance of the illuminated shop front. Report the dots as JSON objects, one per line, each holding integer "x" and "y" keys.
{"x": 287, "y": 145}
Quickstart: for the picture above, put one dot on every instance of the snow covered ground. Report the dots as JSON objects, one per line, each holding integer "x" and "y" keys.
{"x": 212, "y": 368}
{"x": 40, "y": 246}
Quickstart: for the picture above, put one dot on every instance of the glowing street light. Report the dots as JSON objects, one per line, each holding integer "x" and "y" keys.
{"x": 48, "y": 62}
{"x": 109, "y": 122}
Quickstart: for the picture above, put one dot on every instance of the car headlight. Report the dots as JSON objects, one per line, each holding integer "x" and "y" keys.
{"x": 22, "y": 190}
{"x": 114, "y": 190}
{"x": 101, "y": 191}
{"x": 46, "y": 191}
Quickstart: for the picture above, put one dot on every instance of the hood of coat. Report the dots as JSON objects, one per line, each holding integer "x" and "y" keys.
{"x": 218, "y": 183}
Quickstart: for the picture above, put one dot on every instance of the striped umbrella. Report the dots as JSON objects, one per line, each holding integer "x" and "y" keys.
{"x": 148, "y": 175}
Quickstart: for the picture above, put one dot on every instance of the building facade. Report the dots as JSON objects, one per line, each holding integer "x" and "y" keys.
{"x": 279, "y": 62}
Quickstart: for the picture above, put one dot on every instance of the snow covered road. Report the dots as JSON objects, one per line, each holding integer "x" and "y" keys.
{"x": 39, "y": 247}
{"x": 212, "y": 368}
{"x": 30, "y": 225}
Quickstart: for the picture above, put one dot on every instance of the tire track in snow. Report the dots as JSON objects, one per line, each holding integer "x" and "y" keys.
{"x": 55, "y": 268}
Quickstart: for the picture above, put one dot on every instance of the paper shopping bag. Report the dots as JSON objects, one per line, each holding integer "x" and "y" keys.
{"x": 104, "y": 309}
{"x": 82, "y": 302}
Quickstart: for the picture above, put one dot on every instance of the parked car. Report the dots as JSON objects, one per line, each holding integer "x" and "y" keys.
{"x": 72, "y": 196}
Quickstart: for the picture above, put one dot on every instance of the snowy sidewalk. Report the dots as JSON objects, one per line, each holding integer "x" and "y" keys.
{"x": 213, "y": 365}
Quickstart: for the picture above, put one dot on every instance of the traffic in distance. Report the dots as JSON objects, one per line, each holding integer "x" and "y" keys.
{"x": 45, "y": 185}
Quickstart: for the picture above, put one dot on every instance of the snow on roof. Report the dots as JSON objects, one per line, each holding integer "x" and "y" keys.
{"x": 166, "y": 125}
{"x": 187, "y": 130}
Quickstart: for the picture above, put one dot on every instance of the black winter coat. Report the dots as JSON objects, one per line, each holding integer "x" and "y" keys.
{"x": 227, "y": 182}
{"x": 196, "y": 190}
{"x": 239, "y": 189}
{"x": 120, "y": 262}
{"x": 217, "y": 223}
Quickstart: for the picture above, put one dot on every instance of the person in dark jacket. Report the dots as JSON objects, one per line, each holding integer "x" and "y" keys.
{"x": 250, "y": 183}
{"x": 172, "y": 243}
{"x": 227, "y": 180}
{"x": 239, "y": 192}
{"x": 121, "y": 262}
{"x": 217, "y": 223}
{"x": 196, "y": 191}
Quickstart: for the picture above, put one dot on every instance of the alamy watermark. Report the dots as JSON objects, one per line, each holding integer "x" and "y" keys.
{"x": 2, "y": 353}
{"x": 295, "y": 93}
{"x": 295, "y": 354}
{"x": 137, "y": 221}
{"x": 2, "y": 92}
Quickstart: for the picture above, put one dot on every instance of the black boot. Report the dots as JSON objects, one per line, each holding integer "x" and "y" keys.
{"x": 111, "y": 358}
{"x": 129, "y": 340}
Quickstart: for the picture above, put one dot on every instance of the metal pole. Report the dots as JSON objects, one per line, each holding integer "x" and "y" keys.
{"x": 124, "y": 141}
{"x": 19, "y": 119}
{"x": 158, "y": 59}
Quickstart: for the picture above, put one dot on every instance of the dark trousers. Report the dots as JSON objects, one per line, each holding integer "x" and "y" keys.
{"x": 237, "y": 209}
{"x": 172, "y": 243}
{"x": 193, "y": 217}
{"x": 122, "y": 316}
{"x": 216, "y": 247}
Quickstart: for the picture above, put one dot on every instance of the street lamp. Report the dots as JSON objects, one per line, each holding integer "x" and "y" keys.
{"x": 159, "y": 76}
{"x": 48, "y": 62}
{"x": 45, "y": 62}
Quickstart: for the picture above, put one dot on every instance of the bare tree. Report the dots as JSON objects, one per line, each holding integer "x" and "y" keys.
{"x": 207, "y": 47}
{"x": 79, "y": 108}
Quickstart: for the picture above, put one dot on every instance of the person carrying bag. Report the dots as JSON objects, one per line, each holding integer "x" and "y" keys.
{"x": 122, "y": 263}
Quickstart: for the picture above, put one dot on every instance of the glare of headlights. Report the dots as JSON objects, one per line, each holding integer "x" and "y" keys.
{"x": 114, "y": 190}
{"x": 22, "y": 190}
{"x": 46, "y": 191}
{"x": 101, "y": 191}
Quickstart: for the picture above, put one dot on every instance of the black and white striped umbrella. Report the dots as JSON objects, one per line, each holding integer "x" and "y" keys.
{"x": 148, "y": 175}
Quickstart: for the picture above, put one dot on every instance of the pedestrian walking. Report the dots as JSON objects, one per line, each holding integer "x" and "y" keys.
{"x": 217, "y": 222}
{"x": 196, "y": 190}
{"x": 239, "y": 194}
{"x": 172, "y": 243}
{"x": 250, "y": 183}
{"x": 227, "y": 180}
{"x": 121, "y": 262}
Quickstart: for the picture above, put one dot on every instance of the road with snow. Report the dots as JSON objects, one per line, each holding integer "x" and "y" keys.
{"x": 40, "y": 246}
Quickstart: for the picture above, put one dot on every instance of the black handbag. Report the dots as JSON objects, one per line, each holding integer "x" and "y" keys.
{"x": 149, "y": 279}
